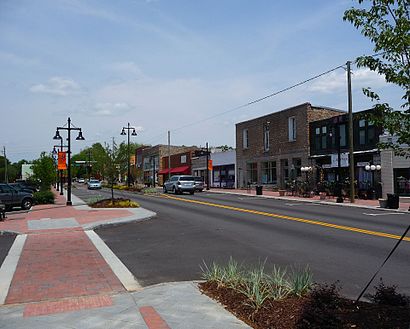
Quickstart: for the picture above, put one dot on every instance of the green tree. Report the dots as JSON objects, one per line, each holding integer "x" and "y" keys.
{"x": 44, "y": 171}
{"x": 386, "y": 23}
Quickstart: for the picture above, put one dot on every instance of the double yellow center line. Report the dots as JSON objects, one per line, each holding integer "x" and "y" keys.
{"x": 296, "y": 219}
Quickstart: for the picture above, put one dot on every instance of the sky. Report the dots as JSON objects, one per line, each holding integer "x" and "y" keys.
{"x": 178, "y": 65}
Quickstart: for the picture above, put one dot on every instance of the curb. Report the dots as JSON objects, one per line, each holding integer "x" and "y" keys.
{"x": 120, "y": 270}
{"x": 312, "y": 201}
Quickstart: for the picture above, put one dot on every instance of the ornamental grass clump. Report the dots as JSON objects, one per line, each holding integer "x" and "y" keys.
{"x": 232, "y": 274}
{"x": 300, "y": 282}
{"x": 255, "y": 284}
{"x": 212, "y": 273}
{"x": 256, "y": 287}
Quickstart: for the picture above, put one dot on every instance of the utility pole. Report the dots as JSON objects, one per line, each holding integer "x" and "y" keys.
{"x": 207, "y": 166}
{"x": 169, "y": 155}
{"x": 89, "y": 164}
{"x": 351, "y": 141}
{"x": 6, "y": 176}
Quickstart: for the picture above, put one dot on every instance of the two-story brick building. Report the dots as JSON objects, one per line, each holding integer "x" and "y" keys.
{"x": 325, "y": 138}
{"x": 271, "y": 148}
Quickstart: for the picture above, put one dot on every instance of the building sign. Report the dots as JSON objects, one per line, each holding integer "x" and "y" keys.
{"x": 326, "y": 166}
{"x": 209, "y": 164}
{"x": 62, "y": 165}
{"x": 363, "y": 164}
{"x": 344, "y": 160}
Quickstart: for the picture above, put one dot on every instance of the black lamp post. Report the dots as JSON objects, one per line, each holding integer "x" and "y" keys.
{"x": 80, "y": 137}
{"x": 60, "y": 172}
{"x": 339, "y": 198}
{"x": 123, "y": 133}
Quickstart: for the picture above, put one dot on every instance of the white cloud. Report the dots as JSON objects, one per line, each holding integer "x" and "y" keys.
{"x": 56, "y": 86}
{"x": 126, "y": 68}
{"x": 337, "y": 81}
{"x": 16, "y": 59}
{"x": 108, "y": 109}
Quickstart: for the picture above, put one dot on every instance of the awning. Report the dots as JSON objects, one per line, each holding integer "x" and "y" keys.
{"x": 163, "y": 171}
{"x": 180, "y": 170}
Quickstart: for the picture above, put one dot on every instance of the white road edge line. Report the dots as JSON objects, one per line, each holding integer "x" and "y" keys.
{"x": 120, "y": 270}
{"x": 385, "y": 214}
{"x": 8, "y": 268}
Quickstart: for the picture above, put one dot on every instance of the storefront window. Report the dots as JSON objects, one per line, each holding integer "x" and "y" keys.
{"x": 269, "y": 172}
{"x": 402, "y": 181}
{"x": 252, "y": 172}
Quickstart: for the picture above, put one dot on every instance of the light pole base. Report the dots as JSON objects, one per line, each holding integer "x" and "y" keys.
{"x": 339, "y": 199}
{"x": 69, "y": 203}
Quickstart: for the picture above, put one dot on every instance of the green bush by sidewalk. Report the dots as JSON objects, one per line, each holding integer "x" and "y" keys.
{"x": 43, "y": 197}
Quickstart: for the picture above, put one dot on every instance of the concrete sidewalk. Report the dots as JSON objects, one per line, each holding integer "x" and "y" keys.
{"x": 60, "y": 274}
{"x": 370, "y": 204}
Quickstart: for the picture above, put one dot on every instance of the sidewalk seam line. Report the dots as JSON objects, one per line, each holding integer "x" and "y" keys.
{"x": 120, "y": 270}
{"x": 9, "y": 266}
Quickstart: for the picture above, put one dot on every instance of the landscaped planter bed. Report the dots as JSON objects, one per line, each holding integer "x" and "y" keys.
{"x": 305, "y": 312}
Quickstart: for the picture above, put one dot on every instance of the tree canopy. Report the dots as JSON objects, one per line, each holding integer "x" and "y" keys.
{"x": 386, "y": 23}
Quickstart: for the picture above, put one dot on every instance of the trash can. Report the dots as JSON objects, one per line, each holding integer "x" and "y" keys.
{"x": 259, "y": 189}
{"x": 393, "y": 201}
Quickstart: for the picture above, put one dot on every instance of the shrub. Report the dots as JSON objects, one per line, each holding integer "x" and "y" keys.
{"x": 43, "y": 197}
{"x": 387, "y": 295}
{"x": 321, "y": 311}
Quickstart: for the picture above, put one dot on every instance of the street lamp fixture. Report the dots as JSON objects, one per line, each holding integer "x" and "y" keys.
{"x": 69, "y": 127}
{"x": 123, "y": 133}
{"x": 372, "y": 168}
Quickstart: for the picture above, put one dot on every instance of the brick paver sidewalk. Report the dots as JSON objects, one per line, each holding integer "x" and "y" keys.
{"x": 358, "y": 202}
{"x": 58, "y": 259}
{"x": 60, "y": 265}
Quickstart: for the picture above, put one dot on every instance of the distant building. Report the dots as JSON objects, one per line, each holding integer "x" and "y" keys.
{"x": 151, "y": 160}
{"x": 223, "y": 171}
{"x": 26, "y": 171}
{"x": 271, "y": 148}
{"x": 181, "y": 164}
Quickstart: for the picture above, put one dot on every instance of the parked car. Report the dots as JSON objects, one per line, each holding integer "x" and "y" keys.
{"x": 22, "y": 188}
{"x": 27, "y": 185}
{"x": 10, "y": 197}
{"x": 179, "y": 184}
{"x": 81, "y": 180}
{"x": 199, "y": 183}
{"x": 94, "y": 184}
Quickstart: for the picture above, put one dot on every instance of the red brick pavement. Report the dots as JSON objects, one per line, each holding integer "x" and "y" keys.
{"x": 359, "y": 202}
{"x": 60, "y": 265}
{"x": 66, "y": 305}
{"x": 152, "y": 318}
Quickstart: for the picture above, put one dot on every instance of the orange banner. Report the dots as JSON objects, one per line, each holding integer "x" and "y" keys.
{"x": 62, "y": 164}
{"x": 210, "y": 165}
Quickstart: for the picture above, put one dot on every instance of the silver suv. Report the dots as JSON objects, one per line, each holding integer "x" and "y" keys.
{"x": 179, "y": 184}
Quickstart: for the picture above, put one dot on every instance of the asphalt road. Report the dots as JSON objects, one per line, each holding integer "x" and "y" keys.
{"x": 338, "y": 243}
{"x": 6, "y": 241}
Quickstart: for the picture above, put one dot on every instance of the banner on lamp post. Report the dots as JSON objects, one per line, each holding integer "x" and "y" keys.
{"x": 210, "y": 165}
{"x": 62, "y": 161}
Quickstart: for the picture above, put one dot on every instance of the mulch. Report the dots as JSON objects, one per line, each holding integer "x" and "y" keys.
{"x": 296, "y": 312}
{"x": 107, "y": 203}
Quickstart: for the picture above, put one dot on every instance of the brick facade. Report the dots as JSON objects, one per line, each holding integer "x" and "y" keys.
{"x": 282, "y": 154}
{"x": 154, "y": 154}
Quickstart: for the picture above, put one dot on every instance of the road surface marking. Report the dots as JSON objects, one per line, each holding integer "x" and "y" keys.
{"x": 296, "y": 219}
{"x": 8, "y": 268}
{"x": 385, "y": 214}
